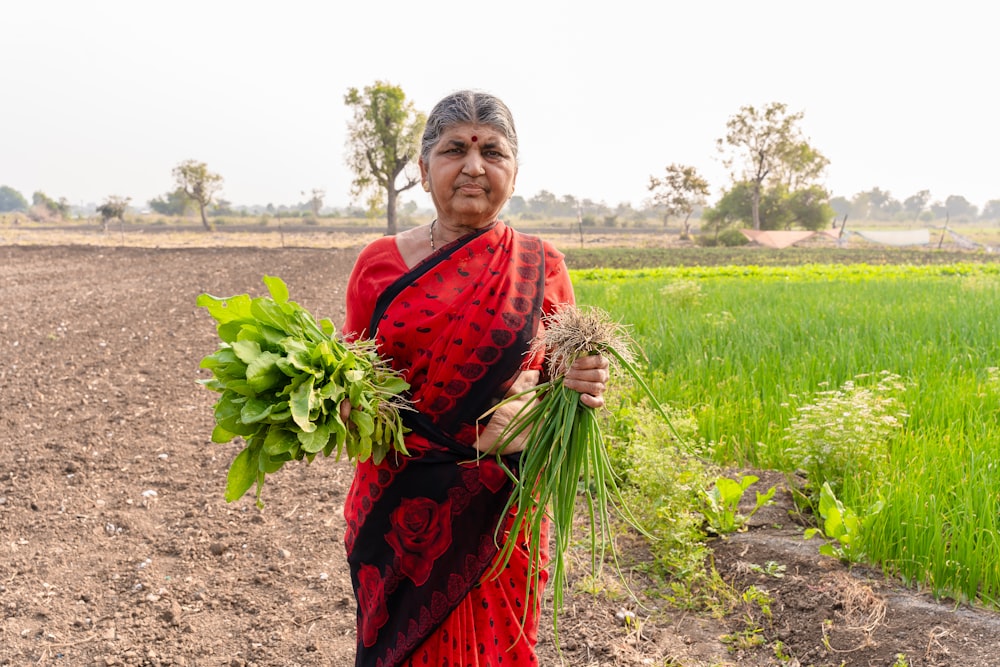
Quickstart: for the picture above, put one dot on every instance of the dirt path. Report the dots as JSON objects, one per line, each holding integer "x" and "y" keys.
{"x": 117, "y": 548}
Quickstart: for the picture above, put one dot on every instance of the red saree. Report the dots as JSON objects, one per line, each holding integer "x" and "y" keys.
{"x": 420, "y": 529}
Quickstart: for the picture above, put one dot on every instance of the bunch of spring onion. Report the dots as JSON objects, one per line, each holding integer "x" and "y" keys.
{"x": 283, "y": 376}
{"x": 565, "y": 451}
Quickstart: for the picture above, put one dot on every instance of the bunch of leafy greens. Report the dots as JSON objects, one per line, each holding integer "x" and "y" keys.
{"x": 283, "y": 376}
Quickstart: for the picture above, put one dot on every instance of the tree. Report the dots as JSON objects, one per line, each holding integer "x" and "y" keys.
{"x": 383, "y": 139}
{"x": 315, "y": 202}
{"x": 766, "y": 146}
{"x": 875, "y": 204}
{"x": 810, "y": 208}
{"x": 734, "y": 205}
{"x": 915, "y": 204}
{"x": 114, "y": 207}
{"x": 543, "y": 204}
{"x": 175, "y": 202}
{"x": 11, "y": 200}
{"x": 800, "y": 166}
{"x": 991, "y": 210}
{"x": 517, "y": 205}
{"x": 841, "y": 206}
{"x": 959, "y": 208}
{"x": 47, "y": 206}
{"x": 678, "y": 193}
{"x": 199, "y": 185}
{"x": 778, "y": 209}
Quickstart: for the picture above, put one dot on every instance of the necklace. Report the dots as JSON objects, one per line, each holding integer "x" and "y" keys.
{"x": 433, "y": 222}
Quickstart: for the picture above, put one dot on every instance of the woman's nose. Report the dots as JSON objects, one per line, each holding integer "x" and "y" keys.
{"x": 473, "y": 163}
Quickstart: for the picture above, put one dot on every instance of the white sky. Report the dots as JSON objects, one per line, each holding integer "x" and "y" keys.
{"x": 106, "y": 97}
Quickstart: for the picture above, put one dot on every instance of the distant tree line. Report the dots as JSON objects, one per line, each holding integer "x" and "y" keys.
{"x": 775, "y": 182}
{"x": 878, "y": 204}
{"x": 42, "y": 206}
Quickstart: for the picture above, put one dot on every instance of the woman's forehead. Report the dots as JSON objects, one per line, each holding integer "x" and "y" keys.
{"x": 473, "y": 132}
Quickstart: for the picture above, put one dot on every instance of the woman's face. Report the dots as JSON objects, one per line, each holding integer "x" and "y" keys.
{"x": 470, "y": 174}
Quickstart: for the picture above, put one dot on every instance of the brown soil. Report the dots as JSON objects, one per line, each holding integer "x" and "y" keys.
{"x": 117, "y": 548}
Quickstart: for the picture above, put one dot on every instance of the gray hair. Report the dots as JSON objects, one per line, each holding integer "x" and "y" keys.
{"x": 467, "y": 106}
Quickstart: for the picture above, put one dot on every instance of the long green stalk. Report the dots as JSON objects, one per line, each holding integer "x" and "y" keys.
{"x": 564, "y": 452}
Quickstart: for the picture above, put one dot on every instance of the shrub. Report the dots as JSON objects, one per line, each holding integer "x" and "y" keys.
{"x": 661, "y": 483}
{"x": 845, "y": 431}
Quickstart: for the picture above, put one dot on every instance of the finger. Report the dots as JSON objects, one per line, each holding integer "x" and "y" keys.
{"x": 591, "y": 401}
{"x": 590, "y": 361}
{"x": 600, "y": 375}
{"x": 593, "y": 388}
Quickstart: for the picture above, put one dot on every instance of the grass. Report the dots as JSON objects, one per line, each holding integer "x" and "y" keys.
{"x": 745, "y": 350}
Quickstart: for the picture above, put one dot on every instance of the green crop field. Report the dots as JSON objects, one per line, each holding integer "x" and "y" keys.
{"x": 880, "y": 381}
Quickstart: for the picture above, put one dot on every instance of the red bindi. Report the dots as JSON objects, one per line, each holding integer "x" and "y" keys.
{"x": 475, "y": 138}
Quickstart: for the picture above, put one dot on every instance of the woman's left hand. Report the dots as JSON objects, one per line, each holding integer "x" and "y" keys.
{"x": 589, "y": 376}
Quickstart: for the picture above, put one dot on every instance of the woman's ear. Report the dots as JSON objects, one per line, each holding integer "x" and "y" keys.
{"x": 424, "y": 179}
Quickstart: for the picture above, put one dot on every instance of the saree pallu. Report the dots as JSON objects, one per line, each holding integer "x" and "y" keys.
{"x": 422, "y": 529}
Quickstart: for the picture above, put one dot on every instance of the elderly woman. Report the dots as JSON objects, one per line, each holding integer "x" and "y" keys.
{"x": 454, "y": 305}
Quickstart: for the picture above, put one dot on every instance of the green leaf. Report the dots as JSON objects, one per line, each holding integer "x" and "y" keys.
{"x": 299, "y": 360}
{"x": 294, "y": 345}
{"x": 226, "y": 309}
{"x": 301, "y": 403}
{"x": 280, "y": 441}
{"x": 230, "y": 331}
{"x": 222, "y": 358}
{"x": 227, "y": 414}
{"x": 315, "y": 441}
{"x": 393, "y": 385}
{"x": 270, "y": 313}
{"x": 220, "y": 434}
{"x": 364, "y": 422}
{"x": 263, "y": 372}
{"x": 267, "y": 463}
{"x": 246, "y": 350}
{"x": 242, "y": 474}
{"x": 255, "y": 410}
{"x": 333, "y": 392}
{"x": 276, "y": 286}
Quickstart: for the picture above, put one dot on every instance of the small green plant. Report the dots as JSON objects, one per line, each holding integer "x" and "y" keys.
{"x": 756, "y": 596}
{"x": 682, "y": 293}
{"x": 842, "y": 526}
{"x": 770, "y": 568}
{"x": 779, "y": 651}
{"x": 744, "y": 639}
{"x": 722, "y": 503}
{"x": 660, "y": 479}
{"x": 756, "y": 604}
{"x": 845, "y": 431}
{"x": 901, "y": 661}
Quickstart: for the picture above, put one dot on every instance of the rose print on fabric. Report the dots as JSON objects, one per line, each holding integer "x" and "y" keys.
{"x": 421, "y": 533}
{"x": 371, "y": 598}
